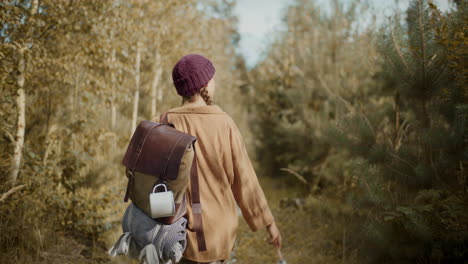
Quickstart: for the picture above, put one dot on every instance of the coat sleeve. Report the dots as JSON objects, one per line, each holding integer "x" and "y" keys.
{"x": 245, "y": 186}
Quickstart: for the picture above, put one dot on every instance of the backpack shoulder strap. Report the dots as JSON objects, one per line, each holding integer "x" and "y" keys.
{"x": 163, "y": 118}
{"x": 195, "y": 189}
{"x": 196, "y": 205}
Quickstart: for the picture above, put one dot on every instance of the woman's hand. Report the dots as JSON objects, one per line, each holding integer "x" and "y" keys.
{"x": 275, "y": 236}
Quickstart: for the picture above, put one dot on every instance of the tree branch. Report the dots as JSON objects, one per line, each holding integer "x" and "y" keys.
{"x": 11, "y": 191}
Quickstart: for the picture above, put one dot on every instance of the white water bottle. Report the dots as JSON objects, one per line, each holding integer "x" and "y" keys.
{"x": 162, "y": 203}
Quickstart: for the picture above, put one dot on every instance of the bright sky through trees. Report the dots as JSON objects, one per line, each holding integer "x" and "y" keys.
{"x": 258, "y": 18}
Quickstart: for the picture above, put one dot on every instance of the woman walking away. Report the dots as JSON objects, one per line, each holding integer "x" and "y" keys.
{"x": 226, "y": 175}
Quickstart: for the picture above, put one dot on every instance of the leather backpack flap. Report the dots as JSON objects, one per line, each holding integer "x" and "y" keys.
{"x": 157, "y": 149}
{"x": 136, "y": 143}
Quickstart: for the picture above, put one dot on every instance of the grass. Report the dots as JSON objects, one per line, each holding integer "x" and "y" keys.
{"x": 308, "y": 236}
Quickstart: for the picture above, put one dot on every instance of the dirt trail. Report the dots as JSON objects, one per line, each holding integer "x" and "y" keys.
{"x": 306, "y": 237}
{"x": 305, "y": 234}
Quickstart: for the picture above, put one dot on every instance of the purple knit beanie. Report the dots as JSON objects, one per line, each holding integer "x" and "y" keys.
{"x": 191, "y": 73}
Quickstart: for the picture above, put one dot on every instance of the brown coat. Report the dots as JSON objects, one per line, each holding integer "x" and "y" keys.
{"x": 226, "y": 176}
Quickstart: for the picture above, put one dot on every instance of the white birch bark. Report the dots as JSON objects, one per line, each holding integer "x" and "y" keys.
{"x": 154, "y": 88}
{"x": 160, "y": 94}
{"x": 137, "y": 88}
{"x": 113, "y": 106}
{"x": 21, "y": 106}
{"x": 34, "y": 6}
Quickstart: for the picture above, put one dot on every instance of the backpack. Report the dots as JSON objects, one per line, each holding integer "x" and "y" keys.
{"x": 159, "y": 153}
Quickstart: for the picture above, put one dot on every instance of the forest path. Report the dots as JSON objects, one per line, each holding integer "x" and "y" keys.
{"x": 305, "y": 233}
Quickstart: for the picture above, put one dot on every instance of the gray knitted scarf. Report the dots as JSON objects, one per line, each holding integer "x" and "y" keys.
{"x": 156, "y": 242}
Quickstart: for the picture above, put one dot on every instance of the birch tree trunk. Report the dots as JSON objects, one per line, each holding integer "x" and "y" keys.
{"x": 137, "y": 88}
{"x": 21, "y": 101}
{"x": 21, "y": 106}
{"x": 160, "y": 93}
{"x": 113, "y": 106}
{"x": 154, "y": 90}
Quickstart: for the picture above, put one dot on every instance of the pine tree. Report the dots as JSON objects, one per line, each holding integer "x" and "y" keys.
{"x": 409, "y": 160}
{"x": 309, "y": 77}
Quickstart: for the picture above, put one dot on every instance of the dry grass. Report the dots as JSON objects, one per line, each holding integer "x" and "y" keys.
{"x": 308, "y": 237}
